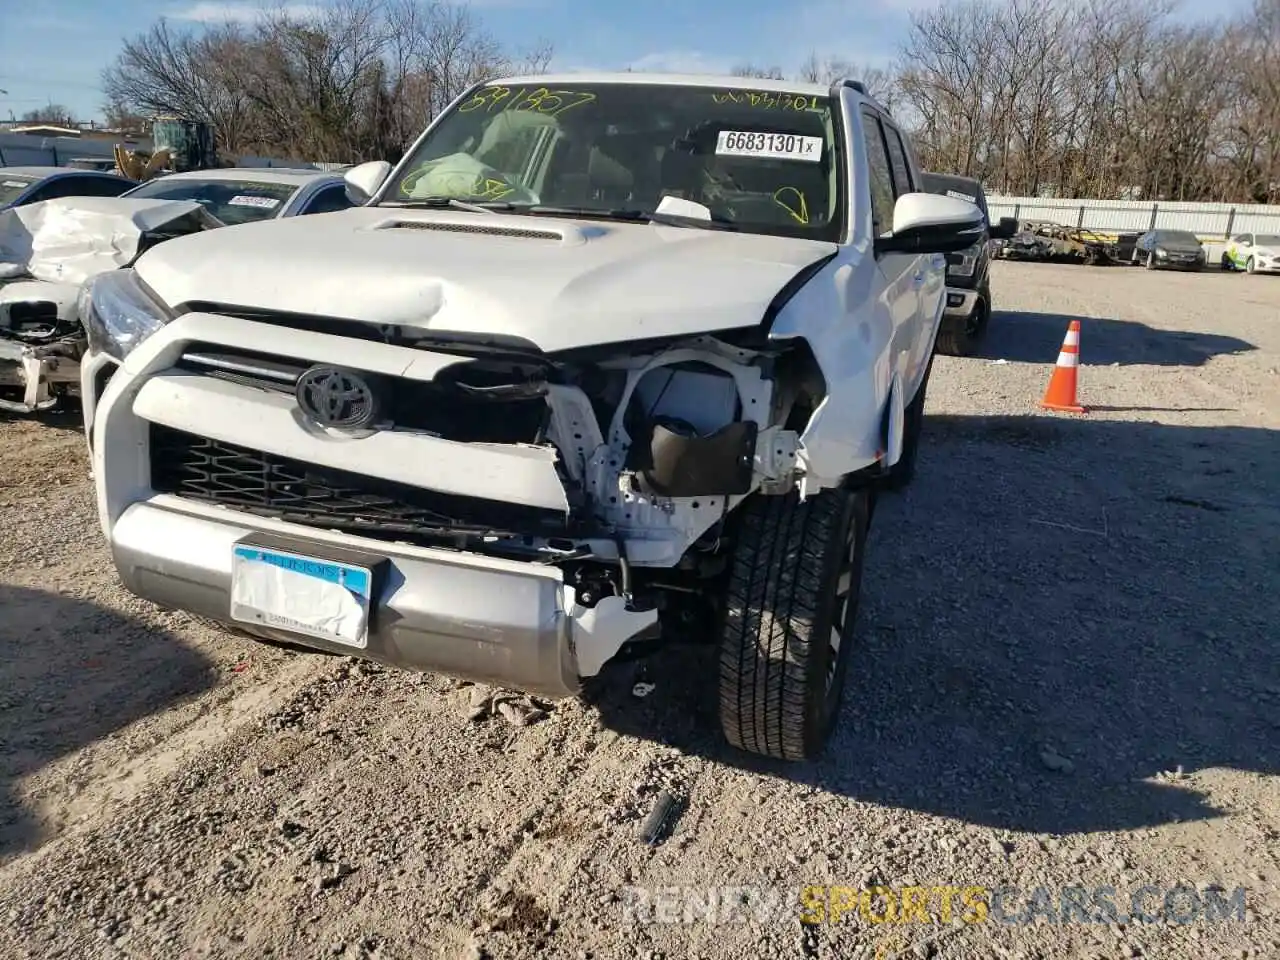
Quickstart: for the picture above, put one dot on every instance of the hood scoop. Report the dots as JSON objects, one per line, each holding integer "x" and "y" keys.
{"x": 453, "y": 226}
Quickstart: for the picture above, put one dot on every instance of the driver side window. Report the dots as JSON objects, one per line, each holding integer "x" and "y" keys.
{"x": 881, "y": 179}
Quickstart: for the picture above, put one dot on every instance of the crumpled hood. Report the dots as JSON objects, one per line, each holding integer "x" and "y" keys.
{"x": 71, "y": 239}
{"x": 555, "y": 282}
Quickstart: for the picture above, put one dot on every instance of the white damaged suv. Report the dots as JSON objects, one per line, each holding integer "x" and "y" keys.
{"x": 606, "y": 360}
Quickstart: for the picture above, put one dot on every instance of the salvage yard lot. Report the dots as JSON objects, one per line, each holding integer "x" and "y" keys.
{"x": 1068, "y": 676}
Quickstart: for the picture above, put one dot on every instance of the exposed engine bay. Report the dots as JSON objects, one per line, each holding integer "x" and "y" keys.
{"x": 41, "y": 343}
{"x": 653, "y": 450}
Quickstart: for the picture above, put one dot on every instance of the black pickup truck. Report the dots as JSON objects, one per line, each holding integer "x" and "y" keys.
{"x": 964, "y": 319}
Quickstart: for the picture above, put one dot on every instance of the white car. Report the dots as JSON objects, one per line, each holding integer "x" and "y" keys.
{"x": 248, "y": 194}
{"x": 47, "y": 250}
{"x": 230, "y": 197}
{"x": 606, "y": 360}
{"x": 1253, "y": 253}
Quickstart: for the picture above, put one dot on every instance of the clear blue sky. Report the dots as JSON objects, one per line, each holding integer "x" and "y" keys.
{"x": 54, "y": 50}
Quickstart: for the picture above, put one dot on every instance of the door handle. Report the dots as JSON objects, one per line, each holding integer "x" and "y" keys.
{"x": 918, "y": 279}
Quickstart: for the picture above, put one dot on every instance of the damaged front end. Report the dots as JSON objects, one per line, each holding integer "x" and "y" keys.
{"x": 41, "y": 343}
{"x": 47, "y": 251}
{"x": 618, "y": 466}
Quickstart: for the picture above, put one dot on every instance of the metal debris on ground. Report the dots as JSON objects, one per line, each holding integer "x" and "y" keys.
{"x": 660, "y": 818}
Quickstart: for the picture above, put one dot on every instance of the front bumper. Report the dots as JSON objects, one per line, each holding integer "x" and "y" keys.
{"x": 487, "y": 618}
{"x": 1179, "y": 263}
{"x": 960, "y": 303}
{"x": 35, "y": 371}
{"x": 1266, "y": 266}
{"x": 481, "y": 618}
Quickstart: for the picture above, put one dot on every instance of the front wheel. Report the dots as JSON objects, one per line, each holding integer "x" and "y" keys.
{"x": 1248, "y": 266}
{"x": 790, "y": 608}
{"x": 959, "y": 337}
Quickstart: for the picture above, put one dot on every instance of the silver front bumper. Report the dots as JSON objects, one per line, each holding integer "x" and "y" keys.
{"x": 960, "y": 303}
{"x": 34, "y": 370}
{"x": 480, "y": 618}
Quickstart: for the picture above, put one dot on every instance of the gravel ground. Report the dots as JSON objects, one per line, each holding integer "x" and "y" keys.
{"x": 1067, "y": 678}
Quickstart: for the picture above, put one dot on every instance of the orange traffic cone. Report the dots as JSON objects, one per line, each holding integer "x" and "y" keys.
{"x": 1061, "y": 392}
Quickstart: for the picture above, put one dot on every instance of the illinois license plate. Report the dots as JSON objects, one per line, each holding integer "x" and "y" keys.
{"x": 310, "y": 596}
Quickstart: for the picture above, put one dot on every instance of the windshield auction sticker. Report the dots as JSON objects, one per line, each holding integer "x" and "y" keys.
{"x": 243, "y": 200}
{"x": 769, "y": 146}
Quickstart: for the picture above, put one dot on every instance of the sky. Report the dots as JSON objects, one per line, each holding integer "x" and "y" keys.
{"x": 54, "y": 50}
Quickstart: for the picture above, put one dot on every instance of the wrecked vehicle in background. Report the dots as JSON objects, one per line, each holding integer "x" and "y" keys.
{"x": 607, "y": 361}
{"x": 1051, "y": 242}
{"x": 47, "y": 251}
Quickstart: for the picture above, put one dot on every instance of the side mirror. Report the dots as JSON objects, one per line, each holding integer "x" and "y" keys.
{"x": 363, "y": 181}
{"x": 1005, "y": 228}
{"x": 929, "y": 223}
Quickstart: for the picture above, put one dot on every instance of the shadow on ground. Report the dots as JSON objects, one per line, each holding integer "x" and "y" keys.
{"x": 1026, "y": 337}
{"x": 1105, "y": 590}
{"x": 68, "y": 415}
{"x": 72, "y": 672}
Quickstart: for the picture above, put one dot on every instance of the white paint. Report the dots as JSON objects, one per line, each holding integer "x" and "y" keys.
{"x": 268, "y": 421}
{"x": 600, "y": 631}
{"x": 622, "y": 282}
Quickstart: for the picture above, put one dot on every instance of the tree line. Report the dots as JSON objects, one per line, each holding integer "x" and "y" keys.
{"x": 1111, "y": 99}
{"x": 1092, "y": 98}
{"x": 350, "y": 81}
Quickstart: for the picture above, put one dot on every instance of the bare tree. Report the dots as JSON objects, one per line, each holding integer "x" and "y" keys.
{"x": 354, "y": 80}
{"x": 1105, "y": 98}
{"x": 51, "y": 113}
{"x": 762, "y": 73}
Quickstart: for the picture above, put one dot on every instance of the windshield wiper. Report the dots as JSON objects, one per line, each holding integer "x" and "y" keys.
{"x": 488, "y": 206}
{"x": 632, "y": 216}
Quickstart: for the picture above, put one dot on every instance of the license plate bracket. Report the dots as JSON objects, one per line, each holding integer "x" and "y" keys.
{"x": 327, "y": 594}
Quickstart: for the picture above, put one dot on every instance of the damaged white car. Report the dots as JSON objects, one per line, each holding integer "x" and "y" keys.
{"x": 47, "y": 250}
{"x": 605, "y": 361}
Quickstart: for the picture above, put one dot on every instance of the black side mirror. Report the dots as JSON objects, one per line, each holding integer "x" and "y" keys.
{"x": 1004, "y": 229}
{"x": 931, "y": 238}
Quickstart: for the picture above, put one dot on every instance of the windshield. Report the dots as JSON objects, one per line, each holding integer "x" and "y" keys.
{"x": 1272, "y": 240}
{"x": 1177, "y": 236}
{"x": 762, "y": 162}
{"x": 231, "y": 201}
{"x": 12, "y": 187}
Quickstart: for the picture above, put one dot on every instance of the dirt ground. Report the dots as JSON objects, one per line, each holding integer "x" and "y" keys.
{"x": 1068, "y": 678}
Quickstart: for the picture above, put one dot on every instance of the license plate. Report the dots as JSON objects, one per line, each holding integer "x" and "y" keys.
{"x": 304, "y": 595}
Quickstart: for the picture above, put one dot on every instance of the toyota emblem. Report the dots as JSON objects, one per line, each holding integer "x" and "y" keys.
{"x": 336, "y": 398}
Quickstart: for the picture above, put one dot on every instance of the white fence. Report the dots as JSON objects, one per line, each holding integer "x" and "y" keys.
{"x": 1209, "y": 221}
{"x": 22, "y": 149}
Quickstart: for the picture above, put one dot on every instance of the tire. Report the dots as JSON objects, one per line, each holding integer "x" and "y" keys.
{"x": 958, "y": 338}
{"x": 790, "y": 608}
{"x": 903, "y": 472}
{"x": 1248, "y": 266}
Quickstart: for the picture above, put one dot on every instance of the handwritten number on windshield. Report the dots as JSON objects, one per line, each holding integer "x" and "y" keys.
{"x": 765, "y": 100}
{"x": 550, "y": 103}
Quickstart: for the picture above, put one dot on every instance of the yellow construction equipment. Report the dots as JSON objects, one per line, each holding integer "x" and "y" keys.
{"x": 140, "y": 165}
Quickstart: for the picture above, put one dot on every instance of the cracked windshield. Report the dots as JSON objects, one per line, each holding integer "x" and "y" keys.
{"x": 759, "y": 161}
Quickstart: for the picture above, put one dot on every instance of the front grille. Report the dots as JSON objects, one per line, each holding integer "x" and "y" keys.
{"x": 267, "y": 485}
{"x": 470, "y": 412}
